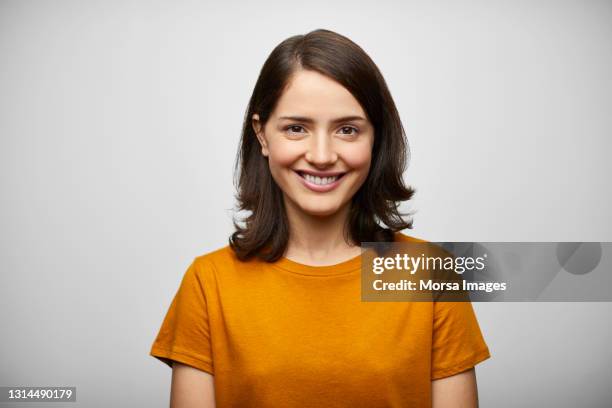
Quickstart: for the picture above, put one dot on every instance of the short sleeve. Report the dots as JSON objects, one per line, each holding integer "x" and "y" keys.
{"x": 457, "y": 344}
{"x": 184, "y": 335}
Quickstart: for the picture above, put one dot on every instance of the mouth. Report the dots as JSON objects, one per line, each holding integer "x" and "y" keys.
{"x": 322, "y": 182}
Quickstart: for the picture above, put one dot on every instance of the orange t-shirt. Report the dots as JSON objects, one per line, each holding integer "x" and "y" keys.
{"x": 285, "y": 334}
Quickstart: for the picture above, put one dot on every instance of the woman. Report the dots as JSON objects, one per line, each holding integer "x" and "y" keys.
{"x": 274, "y": 319}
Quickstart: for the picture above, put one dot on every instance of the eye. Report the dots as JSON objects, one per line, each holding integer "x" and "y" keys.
{"x": 292, "y": 129}
{"x": 349, "y": 130}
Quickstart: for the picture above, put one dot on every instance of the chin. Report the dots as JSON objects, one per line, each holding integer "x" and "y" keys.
{"x": 320, "y": 211}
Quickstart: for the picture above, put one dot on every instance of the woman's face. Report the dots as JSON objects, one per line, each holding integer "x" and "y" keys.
{"x": 318, "y": 142}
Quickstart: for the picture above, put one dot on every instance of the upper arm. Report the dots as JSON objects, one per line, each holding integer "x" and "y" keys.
{"x": 457, "y": 342}
{"x": 456, "y": 391}
{"x": 191, "y": 387}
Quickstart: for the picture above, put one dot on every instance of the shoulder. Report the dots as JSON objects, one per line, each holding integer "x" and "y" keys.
{"x": 401, "y": 237}
{"x": 220, "y": 259}
{"x": 222, "y": 254}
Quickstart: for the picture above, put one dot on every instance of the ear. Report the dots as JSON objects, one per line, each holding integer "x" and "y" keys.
{"x": 258, "y": 128}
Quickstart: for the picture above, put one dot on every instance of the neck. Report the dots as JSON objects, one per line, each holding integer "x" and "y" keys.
{"x": 316, "y": 240}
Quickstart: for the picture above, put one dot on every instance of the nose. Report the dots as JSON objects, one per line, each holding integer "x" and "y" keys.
{"x": 321, "y": 152}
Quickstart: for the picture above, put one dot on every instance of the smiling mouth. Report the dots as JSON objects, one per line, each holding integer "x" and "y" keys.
{"x": 320, "y": 181}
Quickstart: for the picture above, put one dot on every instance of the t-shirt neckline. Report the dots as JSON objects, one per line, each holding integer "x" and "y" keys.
{"x": 349, "y": 266}
{"x": 344, "y": 267}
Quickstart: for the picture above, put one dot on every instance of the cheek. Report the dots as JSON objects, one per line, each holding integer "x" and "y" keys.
{"x": 284, "y": 154}
{"x": 357, "y": 157}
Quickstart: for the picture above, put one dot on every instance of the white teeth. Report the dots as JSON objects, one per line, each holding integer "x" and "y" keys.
{"x": 321, "y": 181}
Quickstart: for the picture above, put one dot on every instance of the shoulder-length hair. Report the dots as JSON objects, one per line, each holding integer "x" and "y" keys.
{"x": 265, "y": 230}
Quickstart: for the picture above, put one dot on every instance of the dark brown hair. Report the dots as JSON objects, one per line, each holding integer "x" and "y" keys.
{"x": 265, "y": 232}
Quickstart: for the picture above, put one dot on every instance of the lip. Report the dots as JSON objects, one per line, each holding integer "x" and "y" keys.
{"x": 317, "y": 187}
{"x": 321, "y": 173}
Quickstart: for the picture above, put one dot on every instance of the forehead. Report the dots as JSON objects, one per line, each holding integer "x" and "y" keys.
{"x": 312, "y": 94}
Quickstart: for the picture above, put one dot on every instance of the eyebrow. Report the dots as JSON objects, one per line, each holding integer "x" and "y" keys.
{"x": 337, "y": 120}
